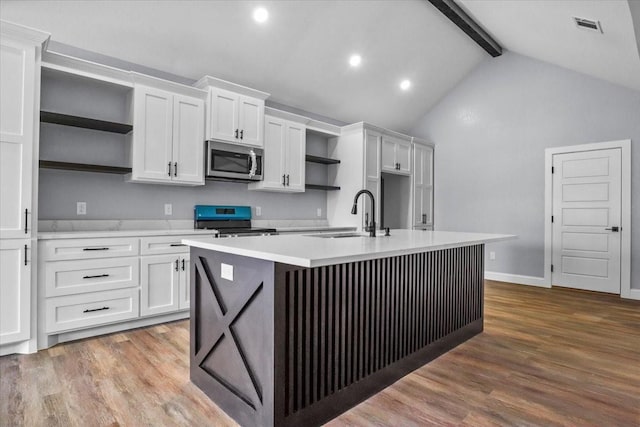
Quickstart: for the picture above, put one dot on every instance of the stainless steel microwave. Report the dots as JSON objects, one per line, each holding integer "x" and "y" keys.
{"x": 233, "y": 162}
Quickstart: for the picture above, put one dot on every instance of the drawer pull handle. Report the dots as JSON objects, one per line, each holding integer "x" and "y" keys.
{"x": 95, "y": 309}
{"x": 96, "y": 276}
{"x": 95, "y": 249}
{"x": 177, "y": 244}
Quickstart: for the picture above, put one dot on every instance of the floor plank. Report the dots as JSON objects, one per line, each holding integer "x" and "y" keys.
{"x": 547, "y": 357}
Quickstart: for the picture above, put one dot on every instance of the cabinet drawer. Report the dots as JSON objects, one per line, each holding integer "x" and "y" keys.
{"x": 163, "y": 245}
{"x": 90, "y": 275}
{"x": 65, "y": 249}
{"x": 92, "y": 309}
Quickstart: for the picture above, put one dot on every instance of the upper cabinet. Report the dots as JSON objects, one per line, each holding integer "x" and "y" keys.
{"x": 284, "y": 156}
{"x": 423, "y": 186}
{"x": 396, "y": 155}
{"x": 234, "y": 113}
{"x": 168, "y": 136}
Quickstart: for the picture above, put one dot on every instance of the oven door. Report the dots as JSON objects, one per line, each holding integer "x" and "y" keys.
{"x": 233, "y": 162}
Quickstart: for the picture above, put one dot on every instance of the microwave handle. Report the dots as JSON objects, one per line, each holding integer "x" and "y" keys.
{"x": 254, "y": 164}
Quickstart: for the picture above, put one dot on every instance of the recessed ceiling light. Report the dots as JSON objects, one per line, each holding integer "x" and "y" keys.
{"x": 260, "y": 15}
{"x": 405, "y": 84}
{"x": 355, "y": 60}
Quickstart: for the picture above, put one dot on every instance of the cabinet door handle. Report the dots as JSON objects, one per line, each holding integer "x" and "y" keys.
{"x": 96, "y": 276}
{"x": 95, "y": 249}
{"x": 424, "y": 218}
{"x": 283, "y": 180}
{"x": 236, "y": 133}
{"x": 177, "y": 265}
{"x": 25, "y": 254}
{"x": 182, "y": 264}
{"x": 26, "y": 218}
{"x": 287, "y": 180}
{"x": 95, "y": 309}
{"x": 241, "y": 134}
{"x": 175, "y": 169}
{"x": 169, "y": 173}
{"x": 177, "y": 244}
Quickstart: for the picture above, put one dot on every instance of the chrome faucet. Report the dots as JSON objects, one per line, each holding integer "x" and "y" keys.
{"x": 371, "y": 228}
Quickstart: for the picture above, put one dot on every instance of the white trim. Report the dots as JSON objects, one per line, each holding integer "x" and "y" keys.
{"x": 207, "y": 81}
{"x": 23, "y": 33}
{"x": 516, "y": 278}
{"x": 625, "y": 231}
{"x": 88, "y": 69}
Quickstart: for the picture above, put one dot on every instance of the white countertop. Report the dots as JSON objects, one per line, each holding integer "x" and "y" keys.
{"x": 91, "y": 234}
{"x": 310, "y": 251}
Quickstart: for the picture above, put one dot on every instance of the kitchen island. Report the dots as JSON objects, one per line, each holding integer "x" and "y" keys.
{"x": 294, "y": 330}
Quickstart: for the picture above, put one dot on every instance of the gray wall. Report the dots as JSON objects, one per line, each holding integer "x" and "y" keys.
{"x": 491, "y": 132}
{"x": 109, "y": 196}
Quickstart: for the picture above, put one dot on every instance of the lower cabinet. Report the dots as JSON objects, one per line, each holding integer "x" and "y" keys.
{"x": 163, "y": 280}
{"x": 15, "y": 290}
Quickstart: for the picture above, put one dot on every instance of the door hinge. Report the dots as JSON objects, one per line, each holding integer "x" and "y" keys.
{"x": 551, "y": 218}
{"x": 552, "y": 268}
{"x": 553, "y": 170}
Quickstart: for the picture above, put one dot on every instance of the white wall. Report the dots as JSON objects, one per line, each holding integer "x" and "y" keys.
{"x": 491, "y": 132}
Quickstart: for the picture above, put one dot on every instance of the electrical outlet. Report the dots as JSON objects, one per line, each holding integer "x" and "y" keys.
{"x": 168, "y": 209}
{"x": 319, "y": 212}
{"x": 226, "y": 271}
{"x": 258, "y": 211}
{"x": 492, "y": 255}
{"x": 81, "y": 208}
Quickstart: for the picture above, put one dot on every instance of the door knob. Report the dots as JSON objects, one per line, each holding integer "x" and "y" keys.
{"x": 614, "y": 229}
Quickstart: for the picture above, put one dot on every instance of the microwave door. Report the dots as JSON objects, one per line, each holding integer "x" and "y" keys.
{"x": 228, "y": 164}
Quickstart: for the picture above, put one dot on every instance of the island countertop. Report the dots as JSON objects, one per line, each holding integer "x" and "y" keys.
{"x": 318, "y": 250}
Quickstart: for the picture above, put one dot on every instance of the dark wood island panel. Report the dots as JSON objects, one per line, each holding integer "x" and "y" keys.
{"x": 283, "y": 345}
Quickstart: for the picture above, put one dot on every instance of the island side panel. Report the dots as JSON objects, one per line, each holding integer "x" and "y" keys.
{"x": 344, "y": 332}
{"x": 231, "y": 348}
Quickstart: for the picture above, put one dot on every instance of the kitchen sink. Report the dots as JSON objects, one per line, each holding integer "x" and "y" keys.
{"x": 338, "y": 235}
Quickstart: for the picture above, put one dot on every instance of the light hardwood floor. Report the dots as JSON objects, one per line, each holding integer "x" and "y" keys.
{"x": 547, "y": 357}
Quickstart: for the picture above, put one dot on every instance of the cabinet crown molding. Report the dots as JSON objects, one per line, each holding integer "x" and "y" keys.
{"x": 208, "y": 81}
{"x": 23, "y": 33}
{"x": 362, "y": 126}
{"x": 167, "y": 85}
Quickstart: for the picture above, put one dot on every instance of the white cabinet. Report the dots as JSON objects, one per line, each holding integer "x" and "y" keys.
{"x": 284, "y": 156}
{"x": 168, "y": 137}
{"x": 163, "y": 281}
{"x": 17, "y": 110}
{"x": 235, "y": 113}
{"x": 396, "y": 155}
{"x": 15, "y": 290}
{"x": 423, "y": 186}
{"x": 372, "y": 141}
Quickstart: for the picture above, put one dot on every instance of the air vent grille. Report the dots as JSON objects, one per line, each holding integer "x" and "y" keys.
{"x": 588, "y": 24}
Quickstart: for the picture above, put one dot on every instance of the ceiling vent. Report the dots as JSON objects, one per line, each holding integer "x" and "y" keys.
{"x": 588, "y": 24}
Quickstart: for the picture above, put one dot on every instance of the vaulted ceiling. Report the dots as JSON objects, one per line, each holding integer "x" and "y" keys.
{"x": 300, "y": 55}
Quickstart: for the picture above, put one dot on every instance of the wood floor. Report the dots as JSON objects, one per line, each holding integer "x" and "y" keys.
{"x": 547, "y": 357}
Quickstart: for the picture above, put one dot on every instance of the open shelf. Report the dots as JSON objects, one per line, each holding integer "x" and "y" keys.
{"x": 84, "y": 122}
{"x": 321, "y": 160}
{"x": 83, "y": 167}
{"x": 321, "y": 187}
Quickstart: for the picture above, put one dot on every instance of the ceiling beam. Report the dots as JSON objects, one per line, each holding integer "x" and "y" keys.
{"x": 459, "y": 17}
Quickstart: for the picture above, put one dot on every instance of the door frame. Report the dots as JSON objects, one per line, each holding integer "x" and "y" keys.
{"x": 625, "y": 232}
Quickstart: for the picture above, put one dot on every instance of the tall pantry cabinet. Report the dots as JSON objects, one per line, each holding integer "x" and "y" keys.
{"x": 20, "y": 54}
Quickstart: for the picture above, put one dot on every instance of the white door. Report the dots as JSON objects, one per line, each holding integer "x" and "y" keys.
{"x": 188, "y": 140}
{"x": 17, "y": 81}
{"x": 223, "y": 115}
{"x": 389, "y": 163}
{"x": 15, "y": 290}
{"x": 159, "y": 284}
{"x": 372, "y": 142}
{"x": 251, "y": 120}
{"x": 403, "y": 157}
{"x": 586, "y": 220}
{"x": 152, "y": 134}
{"x": 273, "y": 174}
{"x": 296, "y": 147}
{"x": 422, "y": 186}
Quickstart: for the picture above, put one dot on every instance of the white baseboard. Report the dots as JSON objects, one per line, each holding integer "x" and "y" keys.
{"x": 516, "y": 278}
{"x": 633, "y": 294}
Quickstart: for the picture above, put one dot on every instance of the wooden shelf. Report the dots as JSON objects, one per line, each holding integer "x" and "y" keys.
{"x": 321, "y": 187}
{"x": 84, "y": 122}
{"x": 83, "y": 167}
{"x": 322, "y": 160}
